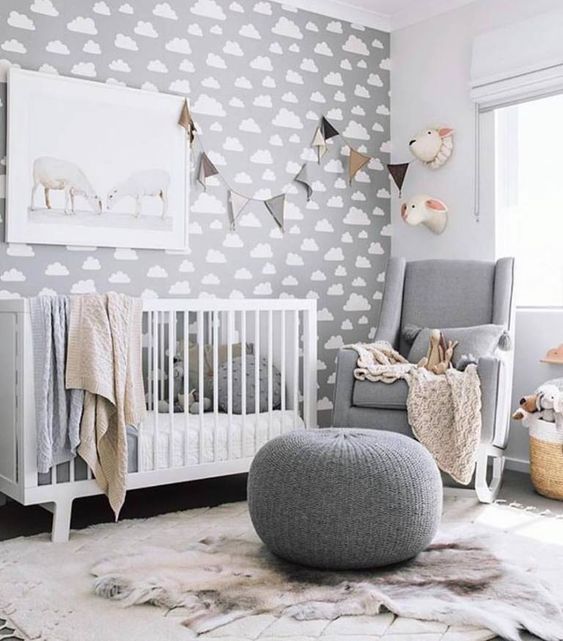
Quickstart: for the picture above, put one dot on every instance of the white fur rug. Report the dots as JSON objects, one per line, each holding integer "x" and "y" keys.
{"x": 48, "y": 592}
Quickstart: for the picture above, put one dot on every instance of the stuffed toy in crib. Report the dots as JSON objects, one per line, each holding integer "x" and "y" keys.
{"x": 546, "y": 403}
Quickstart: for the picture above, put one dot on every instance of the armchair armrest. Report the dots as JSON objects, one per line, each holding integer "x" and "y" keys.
{"x": 344, "y": 386}
{"x": 495, "y": 400}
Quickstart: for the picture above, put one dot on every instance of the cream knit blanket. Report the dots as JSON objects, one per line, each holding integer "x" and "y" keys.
{"x": 444, "y": 411}
{"x": 104, "y": 359}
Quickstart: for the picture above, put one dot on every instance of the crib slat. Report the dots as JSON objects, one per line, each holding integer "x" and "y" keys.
{"x": 155, "y": 377}
{"x": 243, "y": 379}
{"x": 150, "y": 364}
{"x": 256, "y": 377}
{"x": 270, "y": 371}
{"x": 200, "y": 392}
{"x": 186, "y": 386}
{"x": 171, "y": 353}
{"x": 215, "y": 382}
{"x": 230, "y": 385}
{"x": 162, "y": 357}
{"x": 282, "y": 368}
{"x": 295, "y": 368}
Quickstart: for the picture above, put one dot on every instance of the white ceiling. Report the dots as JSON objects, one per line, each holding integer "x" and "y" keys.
{"x": 387, "y": 15}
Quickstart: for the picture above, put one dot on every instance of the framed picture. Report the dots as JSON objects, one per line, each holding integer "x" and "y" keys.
{"x": 94, "y": 164}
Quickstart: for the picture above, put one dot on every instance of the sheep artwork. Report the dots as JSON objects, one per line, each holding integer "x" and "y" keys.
{"x": 433, "y": 146}
{"x": 139, "y": 185}
{"x": 56, "y": 174}
{"x": 425, "y": 210}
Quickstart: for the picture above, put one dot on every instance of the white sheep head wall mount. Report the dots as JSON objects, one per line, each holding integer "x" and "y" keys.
{"x": 423, "y": 209}
{"x": 433, "y": 146}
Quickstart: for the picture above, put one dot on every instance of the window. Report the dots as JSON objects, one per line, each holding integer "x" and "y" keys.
{"x": 529, "y": 197}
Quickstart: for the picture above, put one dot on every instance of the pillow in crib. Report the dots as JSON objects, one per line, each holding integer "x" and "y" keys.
{"x": 480, "y": 340}
{"x": 222, "y": 355}
{"x": 222, "y": 383}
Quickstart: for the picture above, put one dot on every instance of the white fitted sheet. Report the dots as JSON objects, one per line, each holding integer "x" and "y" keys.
{"x": 258, "y": 428}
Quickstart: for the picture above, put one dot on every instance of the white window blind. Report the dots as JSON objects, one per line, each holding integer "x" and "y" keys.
{"x": 519, "y": 62}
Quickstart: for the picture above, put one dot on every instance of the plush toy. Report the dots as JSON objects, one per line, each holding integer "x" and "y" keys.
{"x": 439, "y": 356}
{"x": 433, "y": 146}
{"x": 465, "y": 360}
{"x": 423, "y": 209}
{"x": 546, "y": 403}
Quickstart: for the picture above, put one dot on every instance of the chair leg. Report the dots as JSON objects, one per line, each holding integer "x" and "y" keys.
{"x": 488, "y": 490}
{"x": 62, "y": 513}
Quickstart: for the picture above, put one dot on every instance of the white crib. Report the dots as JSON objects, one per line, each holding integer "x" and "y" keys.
{"x": 171, "y": 446}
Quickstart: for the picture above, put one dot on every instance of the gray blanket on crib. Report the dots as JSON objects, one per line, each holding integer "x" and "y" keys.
{"x": 57, "y": 409}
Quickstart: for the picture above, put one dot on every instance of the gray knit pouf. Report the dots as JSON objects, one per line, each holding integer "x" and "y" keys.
{"x": 344, "y": 498}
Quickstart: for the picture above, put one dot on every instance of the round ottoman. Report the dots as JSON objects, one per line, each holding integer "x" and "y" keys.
{"x": 344, "y": 498}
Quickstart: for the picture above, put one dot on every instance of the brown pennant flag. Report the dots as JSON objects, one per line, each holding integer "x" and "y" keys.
{"x": 237, "y": 203}
{"x": 356, "y": 162}
{"x": 320, "y": 143}
{"x": 206, "y": 170}
{"x": 303, "y": 178}
{"x": 276, "y": 207}
{"x": 398, "y": 172}
{"x": 328, "y": 130}
{"x": 186, "y": 121}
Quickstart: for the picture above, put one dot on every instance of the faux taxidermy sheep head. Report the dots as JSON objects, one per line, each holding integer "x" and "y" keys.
{"x": 433, "y": 146}
{"x": 425, "y": 210}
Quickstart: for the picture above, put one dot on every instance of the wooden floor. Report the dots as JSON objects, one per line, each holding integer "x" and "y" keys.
{"x": 16, "y": 520}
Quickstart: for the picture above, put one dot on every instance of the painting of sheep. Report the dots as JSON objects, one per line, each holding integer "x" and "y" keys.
{"x": 140, "y": 185}
{"x": 56, "y": 174}
{"x": 92, "y": 164}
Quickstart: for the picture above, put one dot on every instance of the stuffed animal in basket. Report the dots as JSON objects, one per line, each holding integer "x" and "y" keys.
{"x": 546, "y": 404}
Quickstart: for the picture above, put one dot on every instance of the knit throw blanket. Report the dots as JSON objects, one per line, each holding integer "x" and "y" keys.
{"x": 444, "y": 411}
{"x": 104, "y": 360}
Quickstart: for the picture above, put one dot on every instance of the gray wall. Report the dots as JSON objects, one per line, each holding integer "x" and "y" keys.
{"x": 264, "y": 75}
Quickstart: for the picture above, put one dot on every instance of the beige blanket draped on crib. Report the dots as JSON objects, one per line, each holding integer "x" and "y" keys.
{"x": 104, "y": 360}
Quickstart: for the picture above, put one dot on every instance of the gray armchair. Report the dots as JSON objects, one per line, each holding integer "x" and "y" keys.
{"x": 439, "y": 293}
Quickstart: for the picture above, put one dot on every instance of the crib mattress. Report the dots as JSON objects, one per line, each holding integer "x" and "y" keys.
{"x": 245, "y": 436}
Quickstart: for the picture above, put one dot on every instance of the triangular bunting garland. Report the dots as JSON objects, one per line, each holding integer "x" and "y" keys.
{"x": 237, "y": 203}
{"x": 356, "y": 162}
{"x": 320, "y": 143}
{"x": 398, "y": 173}
{"x": 186, "y": 121}
{"x": 276, "y": 207}
{"x": 303, "y": 178}
{"x": 206, "y": 170}
{"x": 328, "y": 130}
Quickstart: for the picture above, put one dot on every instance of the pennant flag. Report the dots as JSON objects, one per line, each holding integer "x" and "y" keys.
{"x": 303, "y": 178}
{"x": 398, "y": 173}
{"x": 206, "y": 170}
{"x": 320, "y": 143}
{"x": 356, "y": 162}
{"x": 237, "y": 203}
{"x": 186, "y": 121}
{"x": 328, "y": 130}
{"x": 276, "y": 207}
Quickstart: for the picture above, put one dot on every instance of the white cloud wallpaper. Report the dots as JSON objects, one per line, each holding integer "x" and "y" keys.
{"x": 258, "y": 76}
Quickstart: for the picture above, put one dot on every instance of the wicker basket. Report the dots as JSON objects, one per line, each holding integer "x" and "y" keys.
{"x": 546, "y": 459}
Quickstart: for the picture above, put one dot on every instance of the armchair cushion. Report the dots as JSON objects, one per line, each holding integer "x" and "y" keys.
{"x": 391, "y": 396}
{"x": 480, "y": 340}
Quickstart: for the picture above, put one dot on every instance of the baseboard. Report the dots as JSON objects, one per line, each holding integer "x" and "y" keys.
{"x": 518, "y": 465}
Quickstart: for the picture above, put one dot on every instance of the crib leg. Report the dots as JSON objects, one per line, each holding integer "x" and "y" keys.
{"x": 62, "y": 512}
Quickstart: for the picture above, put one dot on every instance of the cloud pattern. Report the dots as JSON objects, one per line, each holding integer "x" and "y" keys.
{"x": 258, "y": 76}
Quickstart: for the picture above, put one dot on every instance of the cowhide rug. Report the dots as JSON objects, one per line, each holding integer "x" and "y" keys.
{"x": 459, "y": 579}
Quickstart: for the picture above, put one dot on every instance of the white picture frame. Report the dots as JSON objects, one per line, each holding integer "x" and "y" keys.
{"x": 92, "y": 164}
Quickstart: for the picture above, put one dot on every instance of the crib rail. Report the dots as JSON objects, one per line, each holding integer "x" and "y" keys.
{"x": 254, "y": 360}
